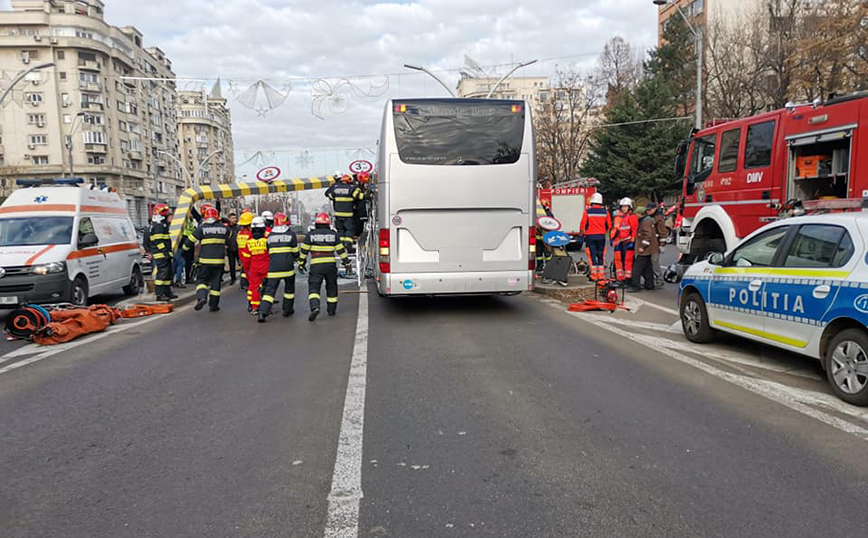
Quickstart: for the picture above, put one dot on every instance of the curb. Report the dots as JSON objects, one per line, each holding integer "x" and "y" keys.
{"x": 185, "y": 296}
{"x": 574, "y": 294}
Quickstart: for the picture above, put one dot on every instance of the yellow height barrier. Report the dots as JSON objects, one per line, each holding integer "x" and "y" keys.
{"x": 236, "y": 190}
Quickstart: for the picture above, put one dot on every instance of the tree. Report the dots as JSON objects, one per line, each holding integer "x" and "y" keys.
{"x": 675, "y": 62}
{"x": 618, "y": 68}
{"x": 563, "y": 124}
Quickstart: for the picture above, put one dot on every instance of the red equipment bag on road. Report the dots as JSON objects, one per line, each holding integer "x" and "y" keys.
{"x": 69, "y": 324}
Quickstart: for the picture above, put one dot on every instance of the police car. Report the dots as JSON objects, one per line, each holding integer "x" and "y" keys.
{"x": 800, "y": 284}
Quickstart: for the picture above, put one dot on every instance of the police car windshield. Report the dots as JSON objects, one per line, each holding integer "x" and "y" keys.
{"x": 19, "y": 232}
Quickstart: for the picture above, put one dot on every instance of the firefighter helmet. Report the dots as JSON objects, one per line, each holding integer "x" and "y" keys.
{"x": 268, "y": 215}
{"x": 597, "y": 198}
{"x": 280, "y": 219}
{"x": 346, "y": 178}
{"x": 245, "y": 219}
{"x": 625, "y": 202}
{"x": 161, "y": 210}
{"x": 211, "y": 214}
{"x": 364, "y": 177}
{"x": 258, "y": 222}
{"x": 323, "y": 218}
{"x": 338, "y": 174}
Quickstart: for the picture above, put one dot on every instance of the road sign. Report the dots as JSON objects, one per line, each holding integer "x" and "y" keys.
{"x": 357, "y": 167}
{"x": 268, "y": 174}
{"x": 556, "y": 238}
{"x": 548, "y": 223}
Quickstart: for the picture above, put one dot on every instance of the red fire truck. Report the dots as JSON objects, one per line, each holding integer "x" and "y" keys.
{"x": 741, "y": 174}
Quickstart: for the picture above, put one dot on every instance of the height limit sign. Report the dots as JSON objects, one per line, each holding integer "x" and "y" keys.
{"x": 357, "y": 167}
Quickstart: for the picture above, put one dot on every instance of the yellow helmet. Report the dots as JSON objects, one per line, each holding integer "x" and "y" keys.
{"x": 246, "y": 219}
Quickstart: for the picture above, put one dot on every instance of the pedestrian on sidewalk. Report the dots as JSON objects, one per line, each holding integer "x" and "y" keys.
{"x": 211, "y": 236}
{"x": 646, "y": 245}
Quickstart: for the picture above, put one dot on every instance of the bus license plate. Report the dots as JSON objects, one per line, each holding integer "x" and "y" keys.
{"x": 8, "y": 300}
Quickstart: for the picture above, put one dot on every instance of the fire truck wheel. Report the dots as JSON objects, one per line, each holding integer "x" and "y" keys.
{"x": 715, "y": 245}
{"x": 847, "y": 366}
{"x": 694, "y": 319}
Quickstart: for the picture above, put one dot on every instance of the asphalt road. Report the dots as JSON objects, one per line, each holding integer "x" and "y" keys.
{"x": 482, "y": 417}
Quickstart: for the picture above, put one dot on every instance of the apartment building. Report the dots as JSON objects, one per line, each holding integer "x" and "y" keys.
{"x": 703, "y": 13}
{"x": 535, "y": 90}
{"x": 205, "y": 135}
{"x": 95, "y": 105}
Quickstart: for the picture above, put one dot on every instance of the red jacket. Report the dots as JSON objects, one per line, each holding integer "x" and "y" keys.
{"x": 258, "y": 249}
{"x": 626, "y": 227}
{"x": 596, "y": 221}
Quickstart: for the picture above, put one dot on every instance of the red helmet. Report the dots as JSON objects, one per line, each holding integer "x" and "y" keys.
{"x": 161, "y": 210}
{"x": 204, "y": 207}
{"x": 211, "y": 213}
{"x": 323, "y": 218}
{"x": 346, "y": 178}
{"x": 364, "y": 177}
{"x": 280, "y": 219}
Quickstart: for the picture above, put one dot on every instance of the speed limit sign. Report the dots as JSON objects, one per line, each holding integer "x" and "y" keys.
{"x": 268, "y": 174}
{"x": 357, "y": 167}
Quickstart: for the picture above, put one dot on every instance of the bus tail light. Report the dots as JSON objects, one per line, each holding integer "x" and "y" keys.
{"x": 385, "y": 255}
{"x": 531, "y": 249}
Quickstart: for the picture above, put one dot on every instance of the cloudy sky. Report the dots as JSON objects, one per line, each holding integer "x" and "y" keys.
{"x": 283, "y": 42}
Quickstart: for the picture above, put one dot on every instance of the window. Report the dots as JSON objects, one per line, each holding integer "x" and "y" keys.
{"x": 820, "y": 245}
{"x": 93, "y": 119}
{"x": 67, "y": 119}
{"x": 729, "y": 150}
{"x": 64, "y": 99}
{"x": 85, "y": 227}
{"x": 33, "y": 97}
{"x": 85, "y": 77}
{"x": 60, "y": 55}
{"x": 123, "y": 126}
{"x": 62, "y": 75}
{"x": 19, "y": 232}
{"x": 93, "y": 137}
{"x": 40, "y": 159}
{"x": 36, "y": 119}
{"x": 95, "y": 159}
{"x": 83, "y": 34}
{"x": 759, "y": 251}
{"x": 702, "y": 160}
{"x": 758, "y": 148}
{"x": 446, "y": 132}
{"x": 38, "y": 140}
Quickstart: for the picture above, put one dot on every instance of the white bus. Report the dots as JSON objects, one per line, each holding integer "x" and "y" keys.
{"x": 455, "y": 207}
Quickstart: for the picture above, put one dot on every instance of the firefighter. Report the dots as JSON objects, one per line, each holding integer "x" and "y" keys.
{"x": 623, "y": 240}
{"x": 269, "y": 221}
{"x": 343, "y": 196}
{"x": 241, "y": 241}
{"x": 159, "y": 247}
{"x": 595, "y": 227}
{"x": 211, "y": 236}
{"x": 257, "y": 247}
{"x": 282, "y": 252}
{"x": 319, "y": 250}
{"x": 360, "y": 208}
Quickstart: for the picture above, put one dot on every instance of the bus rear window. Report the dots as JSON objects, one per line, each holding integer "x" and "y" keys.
{"x": 459, "y": 132}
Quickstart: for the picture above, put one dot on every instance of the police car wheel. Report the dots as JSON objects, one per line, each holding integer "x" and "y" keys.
{"x": 694, "y": 319}
{"x": 846, "y": 364}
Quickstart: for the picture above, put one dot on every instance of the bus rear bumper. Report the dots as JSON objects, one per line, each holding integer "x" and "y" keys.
{"x": 471, "y": 283}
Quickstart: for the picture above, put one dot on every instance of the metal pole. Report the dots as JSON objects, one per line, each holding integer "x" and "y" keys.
{"x": 200, "y": 164}
{"x": 432, "y": 75}
{"x": 506, "y": 76}
{"x": 69, "y": 152}
{"x": 698, "y": 35}
{"x": 20, "y": 76}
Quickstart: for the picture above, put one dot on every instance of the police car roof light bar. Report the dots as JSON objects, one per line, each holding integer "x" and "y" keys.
{"x": 50, "y": 181}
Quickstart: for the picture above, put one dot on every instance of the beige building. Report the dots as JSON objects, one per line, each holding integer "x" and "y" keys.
{"x": 703, "y": 13}
{"x": 205, "y": 129}
{"x": 533, "y": 89}
{"x": 119, "y": 126}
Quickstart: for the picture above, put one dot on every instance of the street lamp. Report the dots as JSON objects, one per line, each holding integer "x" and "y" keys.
{"x": 432, "y": 75}
{"x": 194, "y": 180}
{"x": 75, "y": 125}
{"x": 506, "y": 76}
{"x": 697, "y": 44}
{"x": 21, "y": 76}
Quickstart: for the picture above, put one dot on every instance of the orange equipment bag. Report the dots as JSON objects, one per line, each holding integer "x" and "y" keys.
{"x": 69, "y": 324}
{"x": 143, "y": 310}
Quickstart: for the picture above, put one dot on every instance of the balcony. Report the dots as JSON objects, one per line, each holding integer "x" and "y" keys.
{"x": 95, "y": 148}
{"x": 90, "y": 65}
{"x": 136, "y": 155}
{"x": 91, "y": 105}
{"x": 89, "y": 86}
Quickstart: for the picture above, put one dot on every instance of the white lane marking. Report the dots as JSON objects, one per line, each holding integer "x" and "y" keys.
{"x": 346, "y": 493}
{"x": 796, "y": 399}
{"x": 640, "y": 302}
{"x": 60, "y": 348}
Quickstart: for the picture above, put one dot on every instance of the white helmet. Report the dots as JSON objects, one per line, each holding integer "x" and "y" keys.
{"x": 338, "y": 174}
{"x": 268, "y": 215}
{"x": 258, "y": 222}
{"x": 626, "y": 202}
{"x": 597, "y": 198}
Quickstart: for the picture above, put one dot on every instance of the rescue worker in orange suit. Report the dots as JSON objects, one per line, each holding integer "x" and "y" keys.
{"x": 595, "y": 227}
{"x": 282, "y": 252}
{"x": 244, "y": 256}
{"x": 320, "y": 250}
{"x": 159, "y": 247}
{"x": 624, "y": 239}
{"x": 344, "y": 195}
{"x": 257, "y": 247}
{"x": 211, "y": 236}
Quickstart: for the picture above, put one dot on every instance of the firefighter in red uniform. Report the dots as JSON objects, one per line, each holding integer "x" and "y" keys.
{"x": 257, "y": 246}
{"x": 244, "y": 235}
{"x": 595, "y": 227}
{"x": 624, "y": 239}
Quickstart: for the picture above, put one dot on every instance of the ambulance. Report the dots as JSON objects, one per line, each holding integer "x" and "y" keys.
{"x": 64, "y": 244}
{"x": 800, "y": 284}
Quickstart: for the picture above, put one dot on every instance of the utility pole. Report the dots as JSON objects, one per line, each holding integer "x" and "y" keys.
{"x": 75, "y": 125}
{"x": 697, "y": 45}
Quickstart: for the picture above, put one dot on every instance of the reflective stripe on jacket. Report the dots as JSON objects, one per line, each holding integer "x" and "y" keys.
{"x": 158, "y": 241}
{"x": 212, "y": 238}
{"x": 322, "y": 245}
{"x": 282, "y": 251}
{"x": 343, "y": 197}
